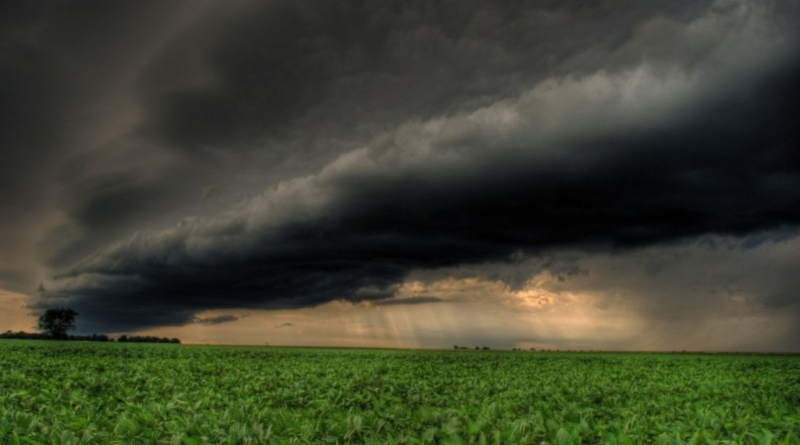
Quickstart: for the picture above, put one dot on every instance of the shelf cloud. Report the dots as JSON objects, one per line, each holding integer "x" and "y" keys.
{"x": 286, "y": 155}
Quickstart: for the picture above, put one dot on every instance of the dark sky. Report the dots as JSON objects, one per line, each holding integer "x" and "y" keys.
{"x": 173, "y": 164}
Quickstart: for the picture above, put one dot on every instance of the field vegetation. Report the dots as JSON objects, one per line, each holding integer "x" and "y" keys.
{"x": 113, "y": 393}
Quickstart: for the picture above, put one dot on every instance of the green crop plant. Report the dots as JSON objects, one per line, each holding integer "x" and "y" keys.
{"x": 107, "y": 393}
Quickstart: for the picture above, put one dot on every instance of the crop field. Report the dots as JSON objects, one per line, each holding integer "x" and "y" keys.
{"x": 71, "y": 392}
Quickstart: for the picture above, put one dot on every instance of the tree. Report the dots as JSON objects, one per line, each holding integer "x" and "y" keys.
{"x": 56, "y": 322}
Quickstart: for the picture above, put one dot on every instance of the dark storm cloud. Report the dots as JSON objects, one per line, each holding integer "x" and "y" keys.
{"x": 48, "y": 70}
{"x": 441, "y": 134}
{"x": 56, "y": 58}
{"x": 218, "y": 319}
{"x": 102, "y": 207}
{"x": 29, "y": 105}
{"x": 409, "y": 300}
{"x": 306, "y": 76}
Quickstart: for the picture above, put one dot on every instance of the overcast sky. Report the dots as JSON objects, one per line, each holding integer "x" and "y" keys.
{"x": 575, "y": 175}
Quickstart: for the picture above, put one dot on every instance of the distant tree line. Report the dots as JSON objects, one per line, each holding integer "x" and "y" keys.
{"x": 54, "y": 324}
{"x": 486, "y": 348}
{"x": 22, "y": 335}
{"x": 146, "y": 339}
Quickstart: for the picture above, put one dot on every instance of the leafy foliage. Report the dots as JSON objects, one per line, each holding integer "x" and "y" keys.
{"x": 98, "y": 393}
{"x": 56, "y": 322}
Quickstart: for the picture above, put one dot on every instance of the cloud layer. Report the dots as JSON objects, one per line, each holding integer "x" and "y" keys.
{"x": 290, "y": 154}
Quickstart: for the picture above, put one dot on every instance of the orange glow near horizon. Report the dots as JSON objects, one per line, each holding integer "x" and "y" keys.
{"x": 14, "y": 313}
{"x": 471, "y": 310}
{"x": 545, "y": 313}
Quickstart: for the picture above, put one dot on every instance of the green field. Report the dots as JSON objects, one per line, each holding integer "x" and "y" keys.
{"x": 71, "y": 392}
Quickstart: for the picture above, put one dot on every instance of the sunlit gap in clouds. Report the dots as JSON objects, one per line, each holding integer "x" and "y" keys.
{"x": 466, "y": 312}
{"x": 534, "y": 315}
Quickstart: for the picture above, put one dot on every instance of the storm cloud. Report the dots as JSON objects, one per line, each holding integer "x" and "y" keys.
{"x": 218, "y": 319}
{"x": 408, "y": 300}
{"x": 289, "y": 154}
